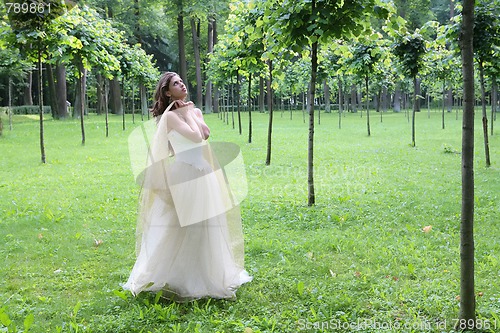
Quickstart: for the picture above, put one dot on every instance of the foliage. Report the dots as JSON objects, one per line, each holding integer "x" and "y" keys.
{"x": 487, "y": 35}
{"x": 88, "y": 38}
{"x": 410, "y": 49}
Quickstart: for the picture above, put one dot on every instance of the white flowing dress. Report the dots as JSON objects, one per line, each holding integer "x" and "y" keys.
{"x": 190, "y": 240}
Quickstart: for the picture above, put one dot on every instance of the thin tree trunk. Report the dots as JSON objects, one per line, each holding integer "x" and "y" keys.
{"x": 493, "y": 100}
{"x": 367, "y": 106}
{"x": 40, "y": 107}
{"x": 311, "y": 197}
{"x": 444, "y": 95}
{"x": 211, "y": 40}
{"x": 415, "y": 109}
{"x": 270, "y": 108}
{"x": 485, "y": 116}
{"x": 467, "y": 314}
{"x": 197, "y": 61}
{"x": 100, "y": 94}
{"x": 181, "y": 43}
{"x": 249, "y": 108}
{"x": 144, "y": 100}
{"x": 261, "y": 94}
{"x": 326, "y": 90}
{"x": 52, "y": 91}
{"x": 238, "y": 99}
{"x": 10, "y": 103}
{"x": 81, "y": 78}
{"x": 341, "y": 101}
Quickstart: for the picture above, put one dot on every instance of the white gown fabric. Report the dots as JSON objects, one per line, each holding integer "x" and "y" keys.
{"x": 189, "y": 234}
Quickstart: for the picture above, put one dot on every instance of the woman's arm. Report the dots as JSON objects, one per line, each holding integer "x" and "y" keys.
{"x": 201, "y": 122}
{"x": 186, "y": 126}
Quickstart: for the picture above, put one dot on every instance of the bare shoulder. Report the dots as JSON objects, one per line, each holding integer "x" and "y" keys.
{"x": 198, "y": 112}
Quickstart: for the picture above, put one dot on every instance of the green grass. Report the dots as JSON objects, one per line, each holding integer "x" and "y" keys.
{"x": 357, "y": 260}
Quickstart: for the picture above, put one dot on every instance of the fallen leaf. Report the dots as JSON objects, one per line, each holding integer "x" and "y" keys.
{"x": 40, "y": 236}
{"x": 357, "y": 274}
{"x": 427, "y": 229}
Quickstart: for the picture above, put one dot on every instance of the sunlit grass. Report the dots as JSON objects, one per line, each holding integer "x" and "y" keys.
{"x": 358, "y": 257}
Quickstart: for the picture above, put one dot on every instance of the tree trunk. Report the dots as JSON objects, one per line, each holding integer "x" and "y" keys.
{"x": 467, "y": 314}
{"x": 341, "y": 101}
{"x": 354, "y": 98}
{"x": 196, "y": 49}
{"x": 326, "y": 90}
{"x": 180, "y": 37}
{"x": 211, "y": 40}
{"x": 115, "y": 100}
{"x": 61, "y": 91}
{"x": 52, "y": 91}
{"x": 10, "y": 103}
{"x": 28, "y": 97}
{"x": 261, "y": 94}
{"x": 493, "y": 100}
{"x": 311, "y": 197}
{"x": 418, "y": 93}
{"x": 249, "y": 108}
{"x": 270, "y": 108}
{"x": 367, "y": 106}
{"x": 40, "y": 107}
{"x": 144, "y": 100}
{"x": 415, "y": 109}
{"x": 81, "y": 79}
{"x": 238, "y": 103}
{"x": 485, "y": 116}
{"x": 444, "y": 95}
{"x": 100, "y": 94}
{"x": 397, "y": 98}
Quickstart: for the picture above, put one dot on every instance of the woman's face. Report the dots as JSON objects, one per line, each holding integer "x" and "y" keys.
{"x": 176, "y": 89}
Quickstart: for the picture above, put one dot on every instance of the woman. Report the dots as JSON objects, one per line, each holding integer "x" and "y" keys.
{"x": 190, "y": 241}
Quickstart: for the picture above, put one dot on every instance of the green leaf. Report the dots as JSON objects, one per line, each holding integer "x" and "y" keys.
{"x": 300, "y": 288}
{"x": 28, "y": 322}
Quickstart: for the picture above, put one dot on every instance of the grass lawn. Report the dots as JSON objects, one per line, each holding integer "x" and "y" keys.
{"x": 358, "y": 261}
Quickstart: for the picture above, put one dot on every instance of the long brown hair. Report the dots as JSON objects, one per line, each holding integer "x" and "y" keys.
{"x": 161, "y": 98}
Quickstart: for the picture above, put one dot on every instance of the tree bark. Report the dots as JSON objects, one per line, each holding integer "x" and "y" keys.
{"x": 115, "y": 100}
{"x": 10, "y": 103}
{"x": 326, "y": 90}
{"x": 81, "y": 79}
{"x": 180, "y": 37}
{"x": 249, "y": 108}
{"x": 196, "y": 49}
{"x": 28, "y": 97}
{"x": 415, "y": 109}
{"x": 270, "y": 108}
{"x": 238, "y": 102}
{"x": 467, "y": 312}
{"x": 493, "y": 100}
{"x": 311, "y": 197}
{"x": 61, "y": 91}
{"x": 367, "y": 107}
{"x": 40, "y": 107}
{"x": 484, "y": 115}
{"x": 49, "y": 73}
{"x": 211, "y": 40}
{"x": 397, "y": 98}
